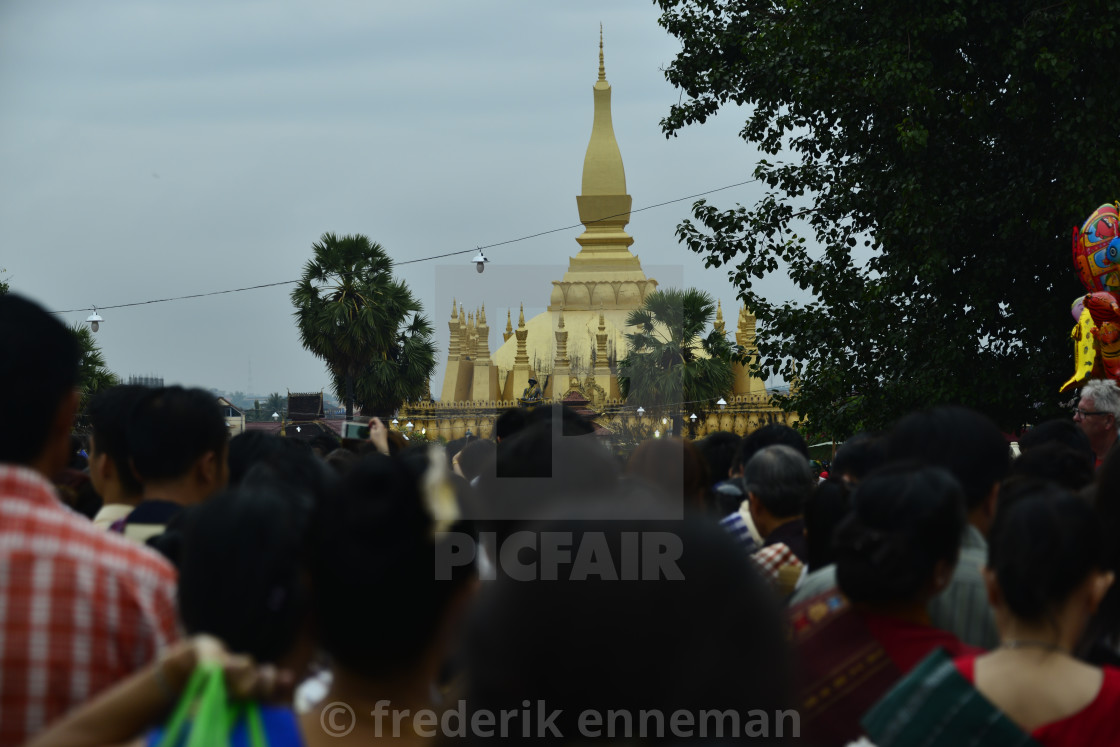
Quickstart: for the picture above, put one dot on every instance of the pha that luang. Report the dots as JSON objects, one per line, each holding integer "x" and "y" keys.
{"x": 571, "y": 351}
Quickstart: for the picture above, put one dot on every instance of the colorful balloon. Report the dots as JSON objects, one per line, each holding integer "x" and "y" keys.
{"x": 1096, "y": 250}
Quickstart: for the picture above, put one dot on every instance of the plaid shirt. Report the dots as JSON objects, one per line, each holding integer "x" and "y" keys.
{"x": 80, "y": 608}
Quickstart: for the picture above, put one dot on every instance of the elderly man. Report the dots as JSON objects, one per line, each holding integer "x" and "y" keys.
{"x": 1098, "y": 414}
{"x": 779, "y": 481}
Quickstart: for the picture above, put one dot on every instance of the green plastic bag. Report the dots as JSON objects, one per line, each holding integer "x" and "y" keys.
{"x": 205, "y": 717}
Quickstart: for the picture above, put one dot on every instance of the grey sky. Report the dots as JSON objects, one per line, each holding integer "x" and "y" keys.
{"x": 150, "y": 150}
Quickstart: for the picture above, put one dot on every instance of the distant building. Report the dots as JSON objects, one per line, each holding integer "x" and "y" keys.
{"x": 235, "y": 418}
{"x": 156, "y": 382}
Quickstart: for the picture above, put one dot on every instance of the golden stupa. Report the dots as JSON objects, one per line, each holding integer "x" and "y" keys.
{"x": 574, "y": 345}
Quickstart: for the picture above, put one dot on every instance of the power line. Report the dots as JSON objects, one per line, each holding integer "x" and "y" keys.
{"x": 421, "y": 259}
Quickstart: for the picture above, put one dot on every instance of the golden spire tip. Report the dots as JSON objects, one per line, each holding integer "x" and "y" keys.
{"x": 602, "y": 69}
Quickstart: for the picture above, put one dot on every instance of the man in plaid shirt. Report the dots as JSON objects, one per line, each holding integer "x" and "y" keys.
{"x": 80, "y": 608}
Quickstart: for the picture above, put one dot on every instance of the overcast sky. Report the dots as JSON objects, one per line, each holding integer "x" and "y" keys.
{"x": 158, "y": 149}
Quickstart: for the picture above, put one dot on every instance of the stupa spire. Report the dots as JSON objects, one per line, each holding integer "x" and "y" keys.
{"x": 602, "y": 68}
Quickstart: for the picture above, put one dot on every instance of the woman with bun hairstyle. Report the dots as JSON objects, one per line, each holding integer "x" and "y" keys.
{"x": 894, "y": 551}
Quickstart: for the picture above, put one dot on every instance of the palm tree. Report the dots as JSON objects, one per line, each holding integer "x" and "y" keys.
{"x": 93, "y": 376}
{"x": 277, "y": 403}
{"x": 670, "y": 363}
{"x": 367, "y": 326}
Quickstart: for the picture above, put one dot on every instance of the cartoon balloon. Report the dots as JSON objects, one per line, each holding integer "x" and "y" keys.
{"x": 1096, "y": 250}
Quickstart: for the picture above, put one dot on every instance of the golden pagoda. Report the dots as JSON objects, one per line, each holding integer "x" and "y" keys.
{"x": 576, "y": 343}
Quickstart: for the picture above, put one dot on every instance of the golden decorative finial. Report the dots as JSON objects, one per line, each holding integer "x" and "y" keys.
{"x": 484, "y": 313}
{"x": 454, "y": 310}
{"x": 521, "y": 319}
{"x": 509, "y": 321}
{"x": 719, "y": 318}
{"x": 602, "y": 69}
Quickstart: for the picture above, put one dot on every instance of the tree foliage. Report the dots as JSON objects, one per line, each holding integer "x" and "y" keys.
{"x": 367, "y": 326}
{"x": 923, "y": 166}
{"x": 93, "y": 374}
{"x": 671, "y": 360}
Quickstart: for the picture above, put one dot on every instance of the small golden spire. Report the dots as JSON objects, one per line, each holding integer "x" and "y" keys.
{"x": 521, "y": 319}
{"x": 602, "y": 69}
{"x": 509, "y": 321}
{"x": 719, "y": 326}
{"x": 484, "y": 313}
{"x": 454, "y": 310}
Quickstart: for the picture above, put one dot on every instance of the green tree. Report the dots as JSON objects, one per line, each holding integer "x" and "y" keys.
{"x": 671, "y": 361}
{"x": 368, "y": 327}
{"x": 277, "y": 403}
{"x": 3, "y": 282}
{"x": 93, "y": 375}
{"x": 923, "y": 165}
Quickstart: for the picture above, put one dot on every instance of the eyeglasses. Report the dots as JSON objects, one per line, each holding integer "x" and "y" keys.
{"x": 1086, "y": 413}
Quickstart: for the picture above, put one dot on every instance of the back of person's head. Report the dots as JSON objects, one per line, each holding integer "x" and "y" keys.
{"x": 675, "y": 467}
{"x": 826, "y": 507}
{"x": 571, "y": 422}
{"x": 720, "y": 619}
{"x": 171, "y": 429}
{"x": 510, "y": 422}
{"x": 905, "y": 520}
{"x": 38, "y": 372}
{"x": 373, "y": 539}
{"x": 241, "y": 570}
{"x": 1068, "y": 467}
{"x": 475, "y": 456}
{"x": 109, "y": 412}
{"x": 1063, "y": 431}
{"x": 773, "y": 434}
{"x": 859, "y": 456}
{"x": 1043, "y": 545}
{"x": 248, "y": 448}
{"x": 966, "y": 443}
{"x": 718, "y": 450}
{"x": 779, "y": 477}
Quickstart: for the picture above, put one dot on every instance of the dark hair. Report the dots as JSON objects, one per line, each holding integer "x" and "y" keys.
{"x": 1062, "y": 431}
{"x": 859, "y": 455}
{"x": 571, "y": 422}
{"x": 718, "y": 450}
{"x": 905, "y": 518}
{"x": 248, "y": 448}
{"x": 109, "y": 411}
{"x": 510, "y": 422}
{"x": 962, "y": 441}
{"x": 1058, "y": 463}
{"x": 38, "y": 371}
{"x": 371, "y": 542}
{"x": 772, "y": 434}
{"x": 826, "y": 507}
{"x": 240, "y": 571}
{"x": 721, "y": 619}
{"x": 1043, "y": 544}
{"x": 780, "y": 478}
{"x": 675, "y": 467}
{"x": 475, "y": 456}
{"x": 171, "y": 428}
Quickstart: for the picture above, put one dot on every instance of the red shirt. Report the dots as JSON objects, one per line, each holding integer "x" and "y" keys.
{"x": 1095, "y": 724}
{"x": 908, "y": 643}
{"x": 80, "y": 608}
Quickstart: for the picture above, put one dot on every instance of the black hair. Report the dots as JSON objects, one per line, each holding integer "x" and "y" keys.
{"x": 718, "y": 450}
{"x": 1043, "y": 544}
{"x": 1062, "y": 431}
{"x": 109, "y": 411}
{"x": 905, "y": 518}
{"x": 859, "y": 455}
{"x": 171, "y": 428}
{"x": 826, "y": 507}
{"x": 38, "y": 371}
{"x": 772, "y": 434}
{"x": 251, "y": 447}
{"x": 510, "y": 422}
{"x": 961, "y": 440}
{"x": 241, "y": 571}
{"x": 372, "y": 546}
{"x": 571, "y": 422}
{"x": 1066, "y": 466}
{"x": 722, "y": 621}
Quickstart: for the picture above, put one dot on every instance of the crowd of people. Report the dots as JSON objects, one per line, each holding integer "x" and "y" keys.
{"x": 929, "y": 588}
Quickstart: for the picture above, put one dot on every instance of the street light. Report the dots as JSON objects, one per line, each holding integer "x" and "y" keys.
{"x": 641, "y": 411}
{"x": 692, "y": 417}
{"x": 94, "y": 320}
{"x": 722, "y": 403}
{"x": 275, "y": 416}
{"x": 480, "y": 261}
{"x": 409, "y": 426}
{"x": 395, "y": 422}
